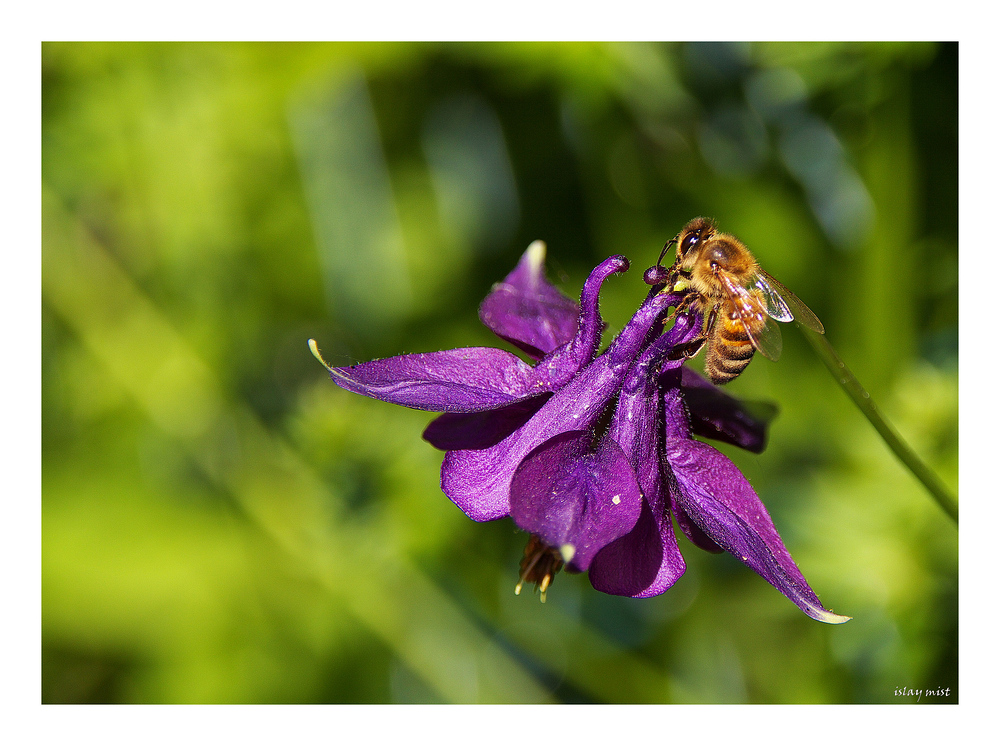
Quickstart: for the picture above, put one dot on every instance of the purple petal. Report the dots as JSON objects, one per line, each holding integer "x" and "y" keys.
{"x": 690, "y": 529}
{"x": 469, "y": 379}
{"x": 677, "y": 424}
{"x": 479, "y": 481}
{"x": 720, "y": 501}
{"x": 676, "y": 420}
{"x": 715, "y": 414}
{"x": 454, "y": 431}
{"x": 576, "y": 497}
{"x": 643, "y": 563}
{"x": 646, "y": 561}
{"x": 476, "y": 379}
{"x": 527, "y": 310}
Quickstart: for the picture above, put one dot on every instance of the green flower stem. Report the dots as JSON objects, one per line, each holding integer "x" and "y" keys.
{"x": 864, "y": 401}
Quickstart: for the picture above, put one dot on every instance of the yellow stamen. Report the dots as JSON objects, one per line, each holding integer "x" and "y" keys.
{"x": 544, "y": 585}
{"x": 540, "y": 564}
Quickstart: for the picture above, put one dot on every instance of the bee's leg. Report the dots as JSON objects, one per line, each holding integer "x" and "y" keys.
{"x": 710, "y": 321}
{"x": 687, "y": 351}
{"x": 686, "y": 302}
{"x": 681, "y": 307}
{"x": 693, "y": 347}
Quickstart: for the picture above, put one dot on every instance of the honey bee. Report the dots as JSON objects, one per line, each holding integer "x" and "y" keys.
{"x": 738, "y": 299}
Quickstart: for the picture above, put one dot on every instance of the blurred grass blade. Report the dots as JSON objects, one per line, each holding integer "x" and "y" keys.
{"x": 845, "y": 378}
{"x": 351, "y": 205}
{"x": 591, "y": 661}
{"x": 280, "y": 492}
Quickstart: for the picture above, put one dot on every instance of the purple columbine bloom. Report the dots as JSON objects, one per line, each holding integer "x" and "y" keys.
{"x": 590, "y": 453}
{"x": 713, "y": 503}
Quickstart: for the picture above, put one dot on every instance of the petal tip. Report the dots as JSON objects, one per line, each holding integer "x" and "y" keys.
{"x": 567, "y": 551}
{"x": 827, "y": 617}
{"x": 314, "y": 349}
{"x": 535, "y": 254}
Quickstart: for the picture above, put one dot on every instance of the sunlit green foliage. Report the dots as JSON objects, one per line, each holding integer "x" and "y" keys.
{"x": 223, "y": 524}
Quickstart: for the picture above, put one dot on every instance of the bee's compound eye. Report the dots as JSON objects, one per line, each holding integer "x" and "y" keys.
{"x": 689, "y": 241}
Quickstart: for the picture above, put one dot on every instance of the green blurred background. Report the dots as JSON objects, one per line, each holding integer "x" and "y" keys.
{"x": 220, "y": 523}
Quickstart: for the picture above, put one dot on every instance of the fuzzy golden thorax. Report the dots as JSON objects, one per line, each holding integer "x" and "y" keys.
{"x": 720, "y": 254}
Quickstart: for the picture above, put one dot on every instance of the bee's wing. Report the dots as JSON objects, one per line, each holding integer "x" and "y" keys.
{"x": 766, "y": 338}
{"x": 782, "y": 304}
{"x": 753, "y": 315}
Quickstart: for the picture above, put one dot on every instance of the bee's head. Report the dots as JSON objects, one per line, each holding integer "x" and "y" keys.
{"x": 693, "y": 234}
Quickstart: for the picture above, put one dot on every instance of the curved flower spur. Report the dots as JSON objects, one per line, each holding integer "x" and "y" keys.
{"x": 533, "y": 441}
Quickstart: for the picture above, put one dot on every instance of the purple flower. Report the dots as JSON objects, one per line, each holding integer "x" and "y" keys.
{"x": 713, "y": 503}
{"x": 590, "y": 453}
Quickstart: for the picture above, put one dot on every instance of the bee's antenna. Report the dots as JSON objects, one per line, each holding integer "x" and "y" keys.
{"x": 666, "y": 246}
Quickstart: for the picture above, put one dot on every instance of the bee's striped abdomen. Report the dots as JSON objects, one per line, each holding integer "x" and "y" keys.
{"x": 729, "y": 350}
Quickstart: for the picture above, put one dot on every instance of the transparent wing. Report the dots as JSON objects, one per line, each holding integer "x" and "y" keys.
{"x": 782, "y": 304}
{"x": 774, "y": 304}
{"x": 767, "y": 340}
{"x": 750, "y": 309}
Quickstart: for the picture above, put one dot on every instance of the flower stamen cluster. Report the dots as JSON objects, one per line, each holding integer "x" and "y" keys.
{"x": 540, "y": 564}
